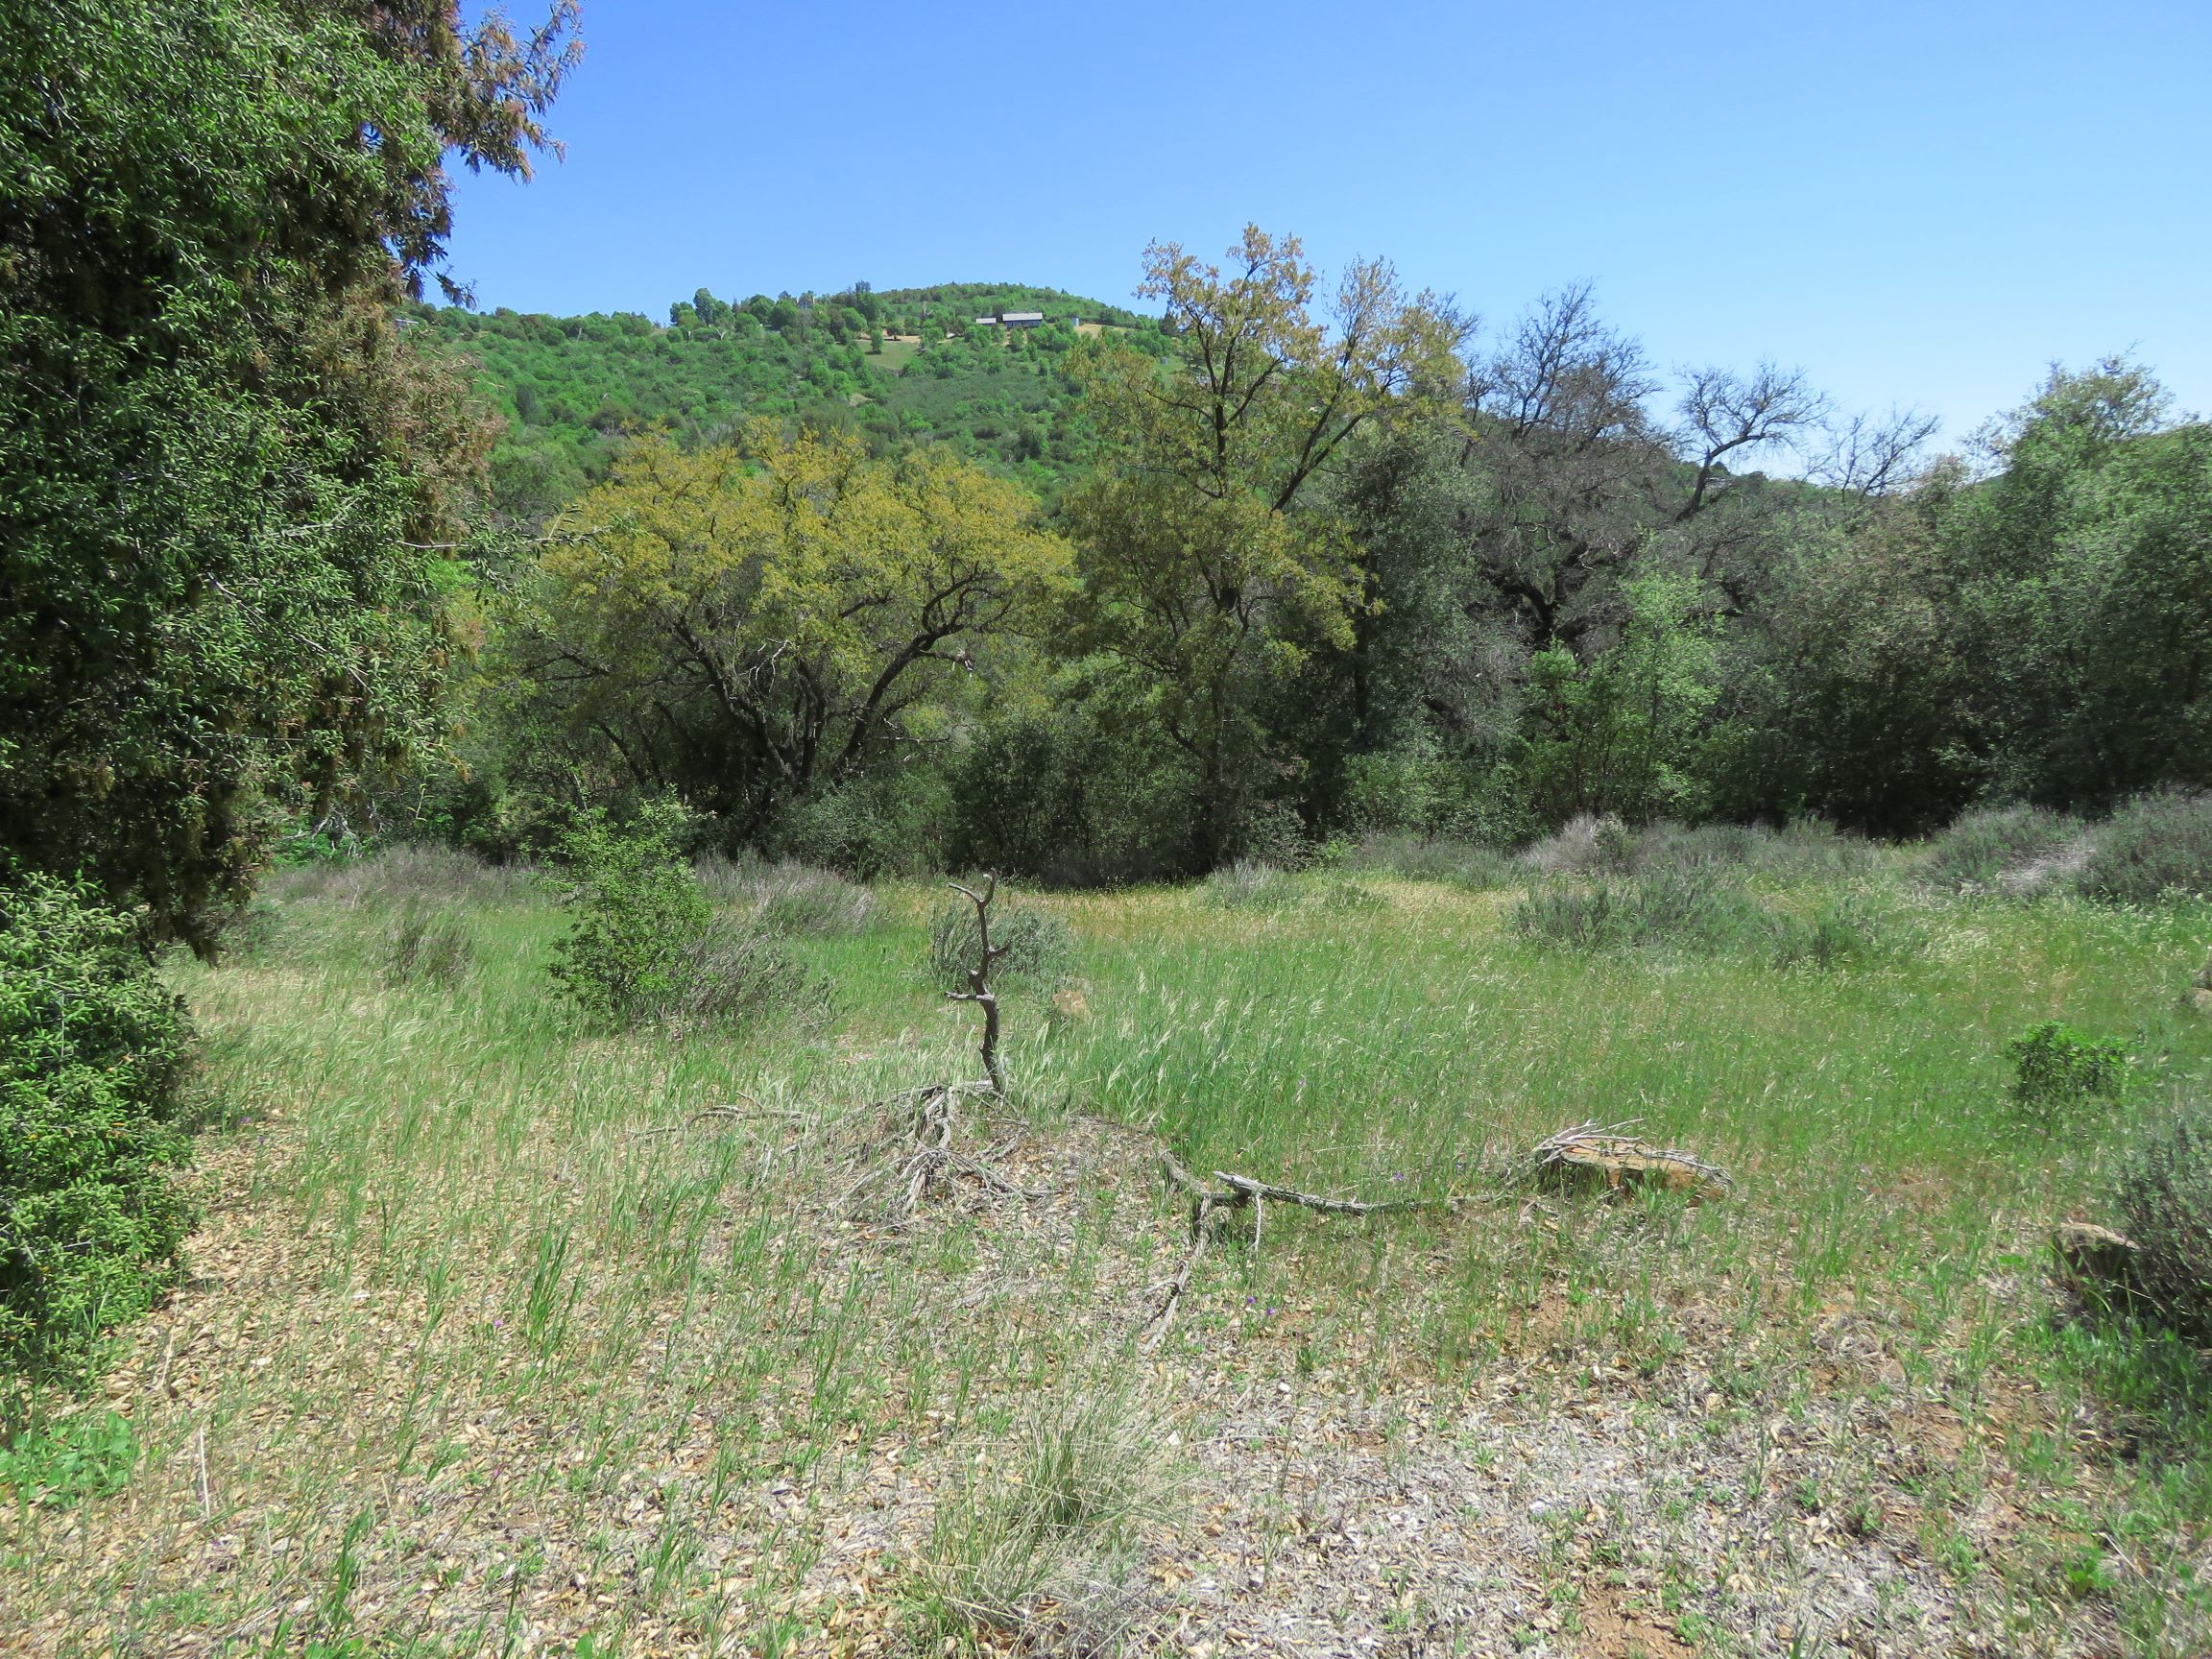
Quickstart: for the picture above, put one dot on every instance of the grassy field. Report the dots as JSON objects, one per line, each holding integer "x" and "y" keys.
{"x": 494, "y": 1343}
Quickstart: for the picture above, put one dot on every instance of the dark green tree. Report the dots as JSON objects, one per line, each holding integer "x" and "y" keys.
{"x": 229, "y": 481}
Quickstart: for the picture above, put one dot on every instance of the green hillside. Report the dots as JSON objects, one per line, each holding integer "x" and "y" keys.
{"x": 905, "y": 366}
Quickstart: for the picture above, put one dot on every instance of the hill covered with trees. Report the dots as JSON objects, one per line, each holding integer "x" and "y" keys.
{"x": 902, "y": 367}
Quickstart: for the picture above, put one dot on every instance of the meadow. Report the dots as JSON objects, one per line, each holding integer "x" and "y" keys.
{"x": 506, "y": 1333}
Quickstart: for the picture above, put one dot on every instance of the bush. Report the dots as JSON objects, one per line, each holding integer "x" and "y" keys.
{"x": 1845, "y": 931}
{"x": 1250, "y": 885}
{"x": 93, "y": 1055}
{"x": 646, "y": 944}
{"x": 1460, "y": 863}
{"x": 2156, "y": 850}
{"x": 789, "y": 897}
{"x": 2165, "y": 1200}
{"x": 639, "y": 912}
{"x": 1039, "y": 947}
{"x": 1683, "y": 909}
{"x": 2012, "y": 849}
{"x": 62, "y": 1463}
{"x": 427, "y": 946}
{"x": 2055, "y": 1066}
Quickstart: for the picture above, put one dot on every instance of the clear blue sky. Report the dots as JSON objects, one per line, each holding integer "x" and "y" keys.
{"x": 1921, "y": 203}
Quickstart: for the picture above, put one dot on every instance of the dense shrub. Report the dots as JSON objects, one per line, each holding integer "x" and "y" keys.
{"x": 2055, "y": 1068}
{"x": 2155, "y": 849}
{"x": 885, "y": 826}
{"x": 255, "y": 931}
{"x": 2166, "y": 1206}
{"x": 1983, "y": 850}
{"x": 646, "y": 946}
{"x": 1039, "y": 947}
{"x": 93, "y": 1052}
{"x": 1687, "y": 909}
{"x": 1076, "y": 798}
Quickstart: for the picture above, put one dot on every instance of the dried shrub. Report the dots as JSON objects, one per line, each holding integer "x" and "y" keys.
{"x": 1251, "y": 885}
{"x": 736, "y": 974}
{"x": 1808, "y": 846}
{"x": 788, "y": 897}
{"x": 2156, "y": 849}
{"x": 1464, "y": 864}
{"x": 1348, "y": 895}
{"x": 1056, "y": 1514}
{"x": 1982, "y": 850}
{"x": 1845, "y": 930}
{"x": 1588, "y": 845}
{"x": 2165, "y": 1201}
{"x": 1686, "y": 909}
{"x": 1038, "y": 946}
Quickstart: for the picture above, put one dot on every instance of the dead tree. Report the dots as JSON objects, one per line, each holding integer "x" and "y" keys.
{"x": 978, "y": 990}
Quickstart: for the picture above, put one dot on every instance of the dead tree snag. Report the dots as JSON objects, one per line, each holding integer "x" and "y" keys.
{"x": 978, "y": 990}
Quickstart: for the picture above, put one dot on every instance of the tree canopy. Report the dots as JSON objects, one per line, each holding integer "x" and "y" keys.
{"x": 749, "y": 626}
{"x": 228, "y": 481}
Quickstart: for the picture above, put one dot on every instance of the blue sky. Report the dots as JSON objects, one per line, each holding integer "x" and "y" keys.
{"x": 1918, "y": 203}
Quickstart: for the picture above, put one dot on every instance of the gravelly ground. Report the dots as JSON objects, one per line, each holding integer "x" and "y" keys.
{"x": 1548, "y": 1500}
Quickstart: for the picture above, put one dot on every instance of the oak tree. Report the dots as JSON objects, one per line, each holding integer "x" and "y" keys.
{"x": 1209, "y": 566}
{"x": 748, "y": 626}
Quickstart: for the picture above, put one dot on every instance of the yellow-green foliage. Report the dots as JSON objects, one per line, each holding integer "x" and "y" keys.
{"x": 783, "y": 611}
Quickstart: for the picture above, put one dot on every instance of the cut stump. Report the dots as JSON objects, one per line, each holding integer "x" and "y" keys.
{"x": 1594, "y": 1158}
{"x": 2094, "y": 1257}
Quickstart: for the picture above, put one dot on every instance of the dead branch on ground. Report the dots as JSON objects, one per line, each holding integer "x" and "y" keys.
{"x": 927, "y": 1132}
{"x": 1589, "y": 1151}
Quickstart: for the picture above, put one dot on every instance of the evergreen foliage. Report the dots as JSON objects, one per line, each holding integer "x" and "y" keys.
{"x": 93, "y": 1053}
{"x": 223, "y": 470}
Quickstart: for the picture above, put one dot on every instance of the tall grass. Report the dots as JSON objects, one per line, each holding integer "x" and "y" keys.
{"x": 603, "y": 1368}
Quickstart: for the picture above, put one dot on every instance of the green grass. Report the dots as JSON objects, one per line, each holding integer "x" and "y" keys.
{"x": 594, "y": 1368}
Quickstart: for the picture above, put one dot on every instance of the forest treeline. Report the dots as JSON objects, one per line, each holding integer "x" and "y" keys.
{"x": 1313, "y": 560}
{"x": 1266, "y": 561}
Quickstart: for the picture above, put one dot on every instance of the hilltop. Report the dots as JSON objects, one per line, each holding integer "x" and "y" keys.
{"x": 897, "y": 367}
